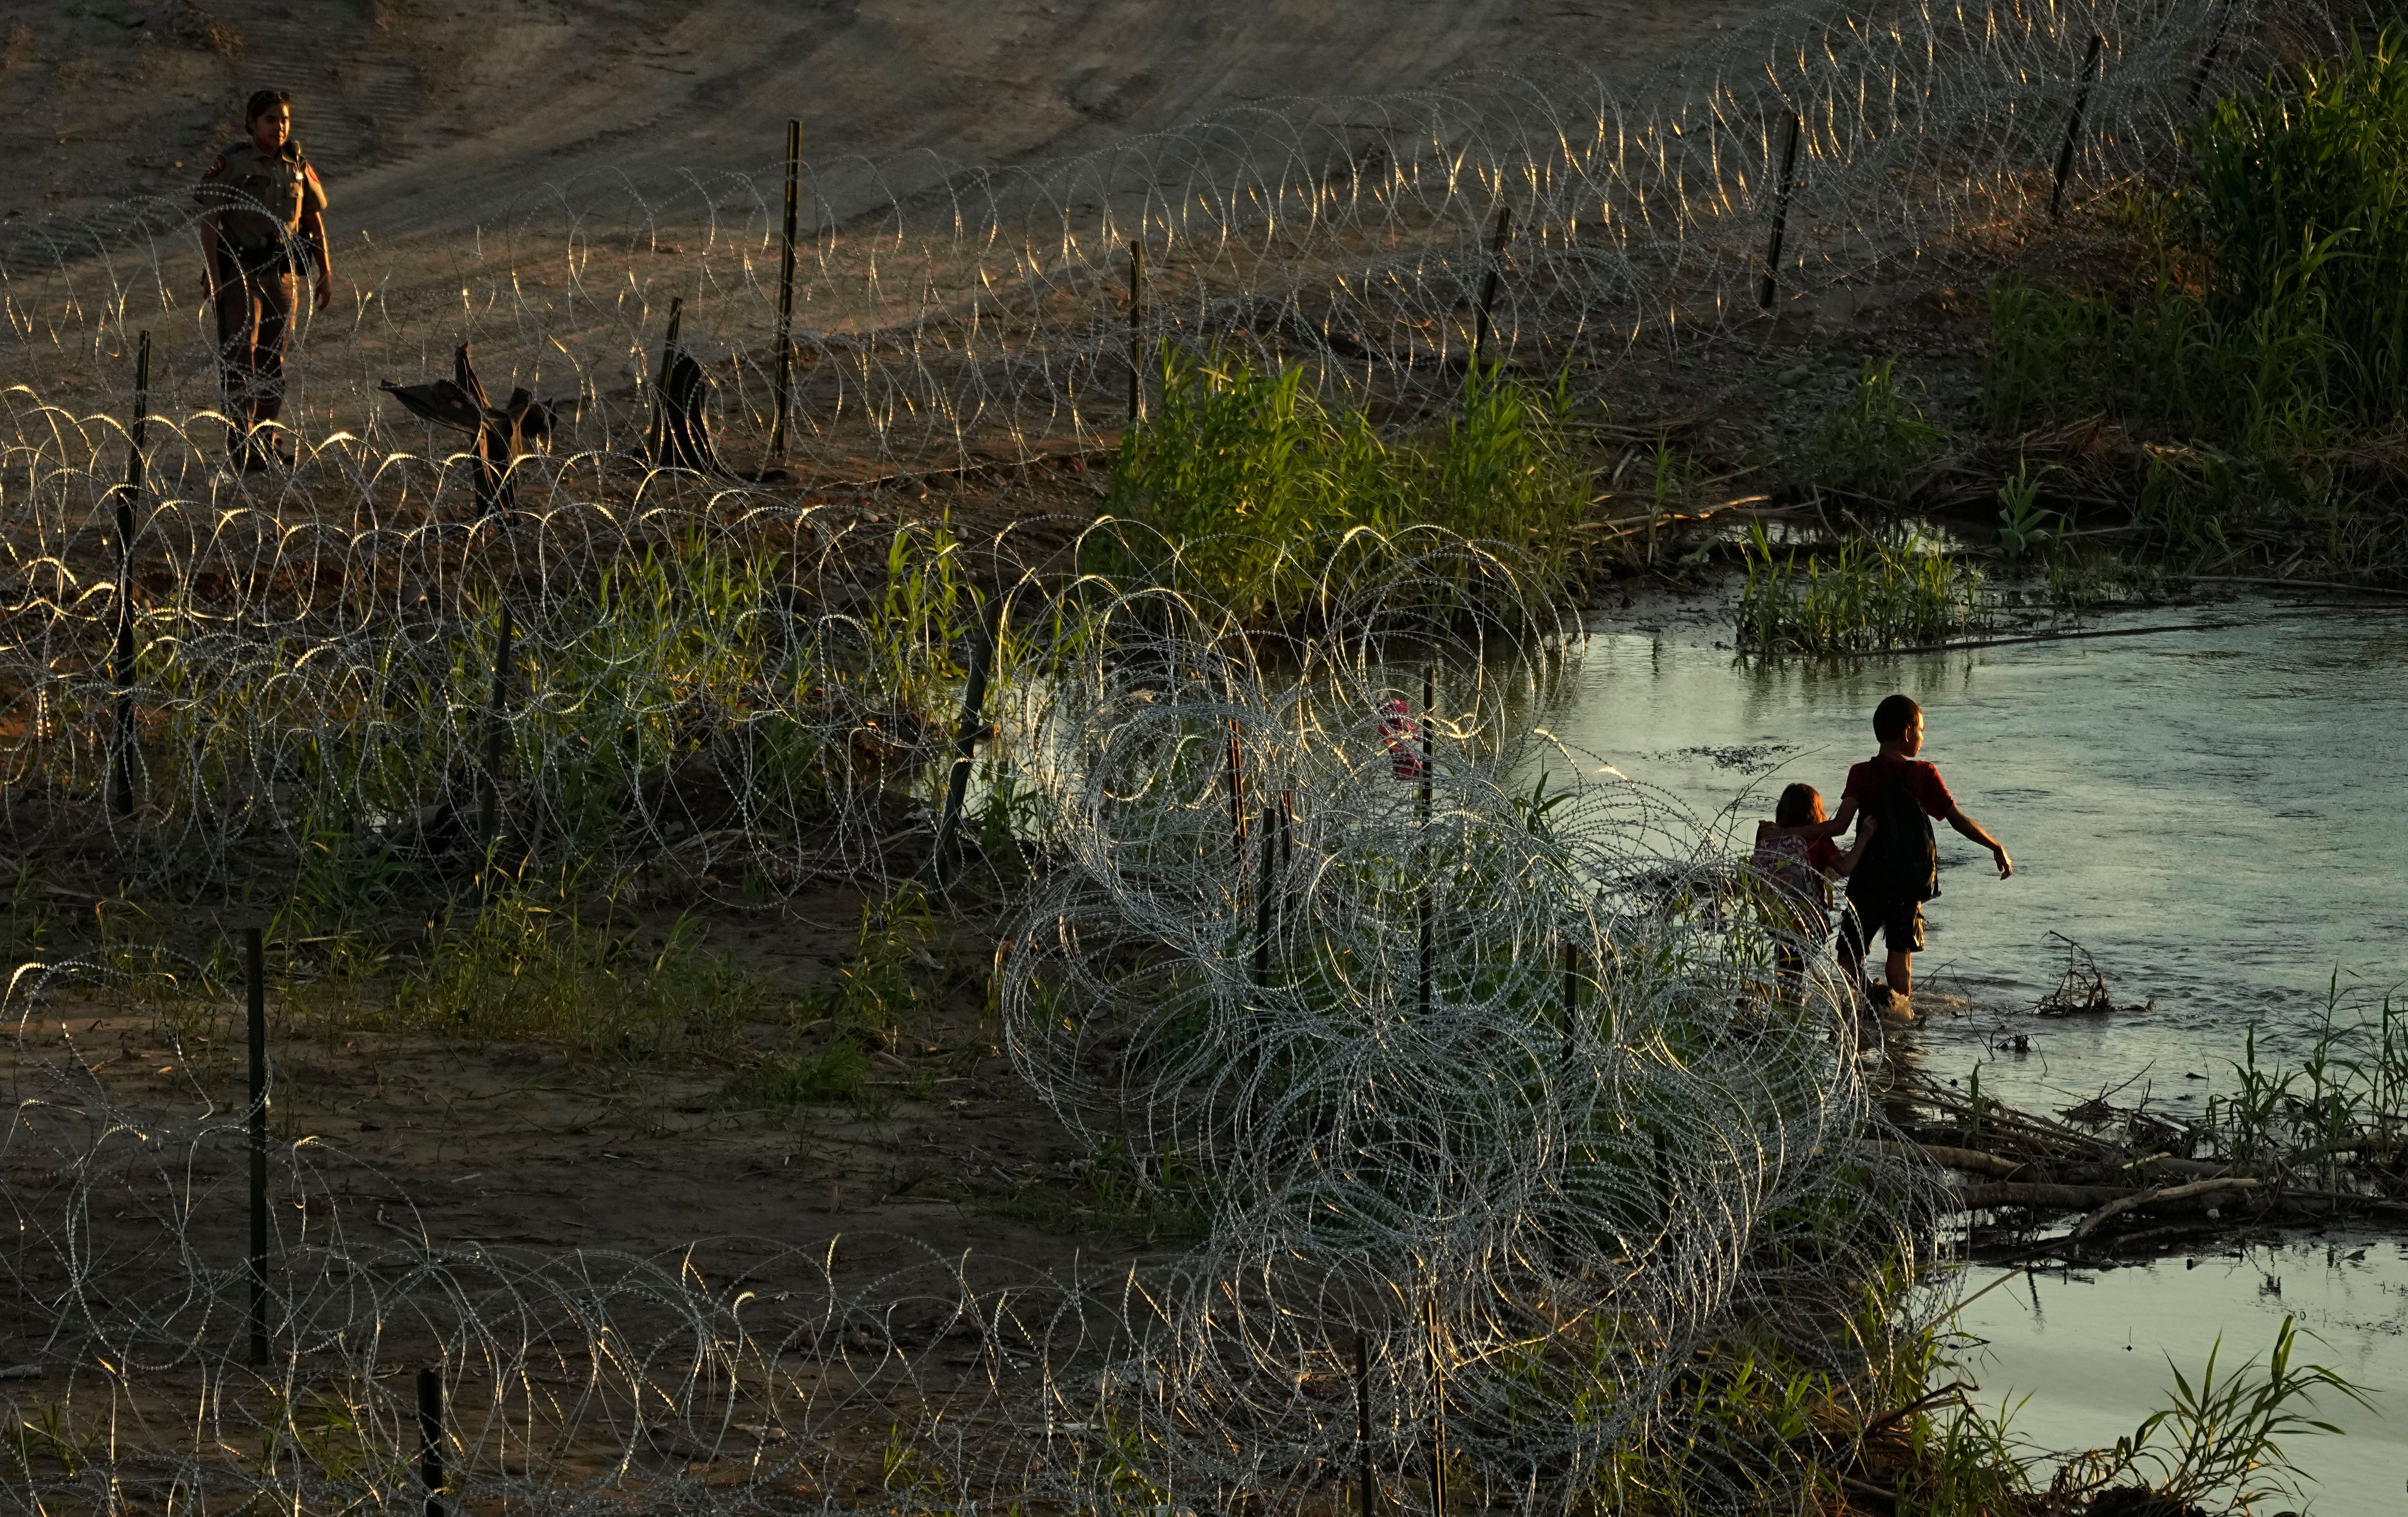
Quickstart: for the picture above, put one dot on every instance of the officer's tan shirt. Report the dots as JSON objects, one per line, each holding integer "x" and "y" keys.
{"x": 244, "y": 180}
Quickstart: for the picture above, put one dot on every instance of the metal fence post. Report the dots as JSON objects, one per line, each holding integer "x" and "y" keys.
{"x": 785, "y": 289}
{"x": 254, "y": 953}
{"x": 120, "y": 757}
{"x": 2073, "y": 126}
{"x": 1780, "y": 215}
{"x": 1437, "y": 1416}
{"x": 983, "y": 646}
{"x": 1137, "y": 333}
{"x": 661, "y": 381}
{"x": 1367, "y": 1500}
{"x": 430, "y": 1437}
{"x": 1502, "y": 234}
{"x": 490, "y": 797}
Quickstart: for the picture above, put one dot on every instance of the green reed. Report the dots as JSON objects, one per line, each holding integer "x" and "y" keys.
{"x": 1874, "y": 595}
{"x": 2345, "y": 1105}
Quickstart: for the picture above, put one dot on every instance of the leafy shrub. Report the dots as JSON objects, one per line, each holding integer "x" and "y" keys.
{"x": 2299, "y": 204}
{"x": 2269, "y": 338}
{"x": 1244, "y": 484}
{"x": 2274, "y": 315}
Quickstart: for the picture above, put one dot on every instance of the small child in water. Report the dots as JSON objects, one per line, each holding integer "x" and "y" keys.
{"x": 1794, "y": 855}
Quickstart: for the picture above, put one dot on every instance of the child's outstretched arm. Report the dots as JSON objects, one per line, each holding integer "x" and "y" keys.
{"x": 1974, "y": 830}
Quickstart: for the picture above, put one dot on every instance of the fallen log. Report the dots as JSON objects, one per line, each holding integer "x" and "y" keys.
{"x": 2156, "y": 1196}
{"x": 1972, "y": 1161}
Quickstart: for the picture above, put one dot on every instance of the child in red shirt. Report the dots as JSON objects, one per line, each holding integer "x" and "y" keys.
{"x": 1886, "y": 893}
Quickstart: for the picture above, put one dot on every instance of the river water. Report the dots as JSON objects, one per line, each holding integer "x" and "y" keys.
{"x": 2220, "y": 816}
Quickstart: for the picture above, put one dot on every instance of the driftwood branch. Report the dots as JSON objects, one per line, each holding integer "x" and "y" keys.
{"x": 2156, "y": 1195}
{"x": 2095, "y": 1198}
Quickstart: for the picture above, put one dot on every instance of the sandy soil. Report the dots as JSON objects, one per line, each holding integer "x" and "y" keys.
{"x": 426, "y": 116}
{"x": 464, "y": 1141}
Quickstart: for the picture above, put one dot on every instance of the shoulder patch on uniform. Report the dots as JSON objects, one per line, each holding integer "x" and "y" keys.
{"x": 217, "y": 168}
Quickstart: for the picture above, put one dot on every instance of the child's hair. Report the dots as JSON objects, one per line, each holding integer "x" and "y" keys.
{"x": 261, "y": 102}
{"x": 1796, "y": 807}
{"x": 1893, "y": 716}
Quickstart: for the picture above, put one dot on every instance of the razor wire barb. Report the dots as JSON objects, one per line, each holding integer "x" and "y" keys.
{"x": 1580, "y": 1195}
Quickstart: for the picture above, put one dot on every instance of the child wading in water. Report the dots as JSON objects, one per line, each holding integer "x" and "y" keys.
{"x": 1902, "y": 871}
{"x": 1796, "y": 857}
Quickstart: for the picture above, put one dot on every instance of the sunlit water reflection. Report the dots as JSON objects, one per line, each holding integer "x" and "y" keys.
{"x": 2090, "y": 1350}
{"x": 2220, "y": 816}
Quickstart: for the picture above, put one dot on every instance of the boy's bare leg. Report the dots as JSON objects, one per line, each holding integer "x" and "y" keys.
{"x": 1900, "y": 970}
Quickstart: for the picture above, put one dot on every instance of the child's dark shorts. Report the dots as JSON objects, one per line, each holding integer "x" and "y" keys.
{"x": 1899, "y": 921}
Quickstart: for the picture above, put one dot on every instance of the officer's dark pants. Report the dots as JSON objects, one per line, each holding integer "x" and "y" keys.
{"x": 256, "y": 296}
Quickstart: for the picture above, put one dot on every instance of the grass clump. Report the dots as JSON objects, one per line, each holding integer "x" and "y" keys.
{"x": 1120, "y": 1192}
{"x": 868, "y": 1003}
{"x": 835, "y": 1076}
{"x": 1876, "y": 443}
{"x": 1248, "y": 487}
{"x": 538, "y": 963}
{"x": 2221, "y": 1440}
{"x": 1876, "y": 594}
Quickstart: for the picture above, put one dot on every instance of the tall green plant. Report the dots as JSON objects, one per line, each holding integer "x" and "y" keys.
{"x": 1876, "y": 442}
{"x": 1245, "y": 485}
{"x": 2299, "y": 203}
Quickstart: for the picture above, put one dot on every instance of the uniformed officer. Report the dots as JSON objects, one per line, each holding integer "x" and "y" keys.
{"x": 259, "y": 202}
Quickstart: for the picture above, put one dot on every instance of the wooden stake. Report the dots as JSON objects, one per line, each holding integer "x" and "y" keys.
{"x": 1137, "y": 333}
{"x": 1780, "y": 216}
{"x": 1503, "y": 233}
{"x": 254, "y": 953}
{"x": 785, "y": 289}
{"x": 2074, "y": 128}
{"x": 121, "y": 758}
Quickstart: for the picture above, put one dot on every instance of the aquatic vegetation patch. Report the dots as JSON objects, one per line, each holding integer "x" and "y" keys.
{"x": 1876, "y": 593}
